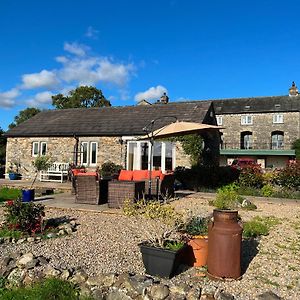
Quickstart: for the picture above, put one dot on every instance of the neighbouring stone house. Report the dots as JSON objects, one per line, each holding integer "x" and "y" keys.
{"x": 263, "y": 128}
{"x": 93, "y": 136}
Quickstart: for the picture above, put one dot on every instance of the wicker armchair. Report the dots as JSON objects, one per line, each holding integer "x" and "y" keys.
{"x": 89, "y": 190}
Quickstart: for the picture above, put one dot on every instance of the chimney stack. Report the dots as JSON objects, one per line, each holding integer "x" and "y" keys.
{"x": 164, "y": 98}
{"x": 293, "y": 91}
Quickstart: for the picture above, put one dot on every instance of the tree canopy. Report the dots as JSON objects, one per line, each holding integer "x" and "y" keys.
{"x": 24, "y": 115}
{"x": 2, "y": 147}
{"x": 83, "y": 96}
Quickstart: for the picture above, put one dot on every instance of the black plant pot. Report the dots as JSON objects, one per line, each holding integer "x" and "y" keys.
{"x": 161, "y": 262}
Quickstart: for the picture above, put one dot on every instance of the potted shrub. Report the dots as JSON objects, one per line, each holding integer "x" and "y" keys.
{"x": 110, "y": 170}
{"x": 13, "y": 172}
{"x": 196, "y": 229}
{"x": 162, "y": 256}
{"x": 41, "y": 163}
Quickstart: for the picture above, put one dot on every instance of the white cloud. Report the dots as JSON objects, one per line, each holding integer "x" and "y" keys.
{"x": 92, "y": 33}
{"x": 76, "y": 49}
{"x": 7, "y": 99}
{"x": 153, "y": 93}
{"x": 91, "y": 70}
{"x": 41, "y": 99}
{"x": 44, "y": 79}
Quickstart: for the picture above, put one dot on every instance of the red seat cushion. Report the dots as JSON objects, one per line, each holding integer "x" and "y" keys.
{"x": 88, "y": 174}
{"x": 125, "y": 175}
{"x": 140, "y": 175}
{"x": 156, "y": 173}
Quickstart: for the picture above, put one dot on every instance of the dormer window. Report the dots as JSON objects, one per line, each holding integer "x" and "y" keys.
{"x": 277, "y": 105}
{"x": 247, "y": 107}
{"x": 278, "y": 119}
{"x": 246, "y": 120}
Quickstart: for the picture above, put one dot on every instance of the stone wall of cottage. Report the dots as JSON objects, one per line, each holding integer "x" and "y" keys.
{"x": 61, "y": 149}
{"x": 261, "y": 129}
{"x": 19, "y": 152}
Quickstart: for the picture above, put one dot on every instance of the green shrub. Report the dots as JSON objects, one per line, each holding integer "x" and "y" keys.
{"x": 48, "y": 289}
{"x": 289, "y": 177}
{"x": 267, "y": 190}
{"x": 152, "y": 210}
{"x": 109, "y": 168}
{"x": 12, "y": 233}
{"x": 251, "y": 176}
{"x": 173, "y": 245}
{"x": 259, "y": 226}
{"x": 196, "y": 225}
{"x": 199, "y": 177}
{"x": 255, "y": 228}
{"x": 26, "y": 217}
{"x": 9, "y": 194}
{"x": 228, "y": 197}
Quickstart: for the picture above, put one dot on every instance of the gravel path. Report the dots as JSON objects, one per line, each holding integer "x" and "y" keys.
{"x": 109, "y": 243}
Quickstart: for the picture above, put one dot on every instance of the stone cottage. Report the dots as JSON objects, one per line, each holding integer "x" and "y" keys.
{"x": 93, "y": 136}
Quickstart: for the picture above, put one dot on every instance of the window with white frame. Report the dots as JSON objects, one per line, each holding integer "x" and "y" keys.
{"x": 220, "y": 120}
{"x": 89, "y": 151}
{"x": 138, "y": 157}
{"x": 246, "y": 120}
{"x": 39, "y": 148}
{"x": 278, "y": 118}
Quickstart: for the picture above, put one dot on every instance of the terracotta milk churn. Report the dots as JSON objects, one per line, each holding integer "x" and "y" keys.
{"x": 224, "y": 245}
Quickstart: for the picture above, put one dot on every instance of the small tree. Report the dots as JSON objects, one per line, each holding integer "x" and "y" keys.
{"x": 296, "y": 147}
{"x": 24, "y": 115}
{"x": 41, "y": 163}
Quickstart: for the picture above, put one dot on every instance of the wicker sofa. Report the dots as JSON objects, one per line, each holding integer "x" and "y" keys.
{"x": 162, "y": 185}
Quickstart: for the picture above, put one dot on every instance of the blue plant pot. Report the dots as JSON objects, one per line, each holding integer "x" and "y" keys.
{"x": 14, "y": 176}
{"x": 27, "y": 195}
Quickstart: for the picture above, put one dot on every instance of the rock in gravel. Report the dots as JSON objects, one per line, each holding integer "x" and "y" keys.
{"x": 25, "y": 259}
{"x": 159, "y": 292}
{"x": 30, "y": 239}
{"x": 80, "y": 276}
{"x": 117, "y": 295}
{"x": 223, "y": 296}
{"x": 43, "y": 260}
{"x": 267, "y": 296}
{"x": 140, "y": 282}
{"x": 65, "y": 275}
{"x": 16, "y": 276}
{"x": 51, "y": 272}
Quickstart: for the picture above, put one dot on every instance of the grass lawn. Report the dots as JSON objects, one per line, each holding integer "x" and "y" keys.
{"x": 9, "y": 194}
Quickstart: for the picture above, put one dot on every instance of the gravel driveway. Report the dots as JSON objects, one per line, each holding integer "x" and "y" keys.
{"x": 109, "y": 243}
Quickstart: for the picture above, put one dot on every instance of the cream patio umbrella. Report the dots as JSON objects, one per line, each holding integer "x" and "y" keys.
{"x": 177, "y": 128}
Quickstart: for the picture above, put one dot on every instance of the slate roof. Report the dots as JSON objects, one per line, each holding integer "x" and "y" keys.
{"x": 257, "y": 105}
{"x": 108, "y": 121}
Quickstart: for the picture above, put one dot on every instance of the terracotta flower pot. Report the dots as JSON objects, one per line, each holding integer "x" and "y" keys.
{"x": 197, "y": 254}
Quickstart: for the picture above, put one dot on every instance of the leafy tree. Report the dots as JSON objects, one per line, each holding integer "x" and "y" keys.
{"x": 83, "y": 96}
{"x": 2, "y": 146}
{"x": 296, "y": 146}
{"x": 24, "y": 115}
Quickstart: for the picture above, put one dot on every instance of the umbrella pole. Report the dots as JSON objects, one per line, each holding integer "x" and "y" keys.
{"x": 150, "y": 169}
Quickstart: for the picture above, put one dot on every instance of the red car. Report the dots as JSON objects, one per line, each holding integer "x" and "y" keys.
{"x": 241, "y": 163}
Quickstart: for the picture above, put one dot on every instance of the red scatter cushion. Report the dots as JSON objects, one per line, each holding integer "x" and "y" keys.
{"x": 125, "y": 175}
{"x": 140, "y": 175}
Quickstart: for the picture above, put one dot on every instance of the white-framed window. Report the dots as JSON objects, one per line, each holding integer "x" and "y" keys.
{"x": 39, "y": 148}
{"x": 219, "y": 120}
{"x": 278, "y": 118}
{"x": 138, "y": 156}
{"x": 89, "y": 151}
{"x": 246, "y": 120}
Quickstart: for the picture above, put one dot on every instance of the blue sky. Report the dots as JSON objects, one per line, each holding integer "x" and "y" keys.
{"x": 139, "y": 49}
